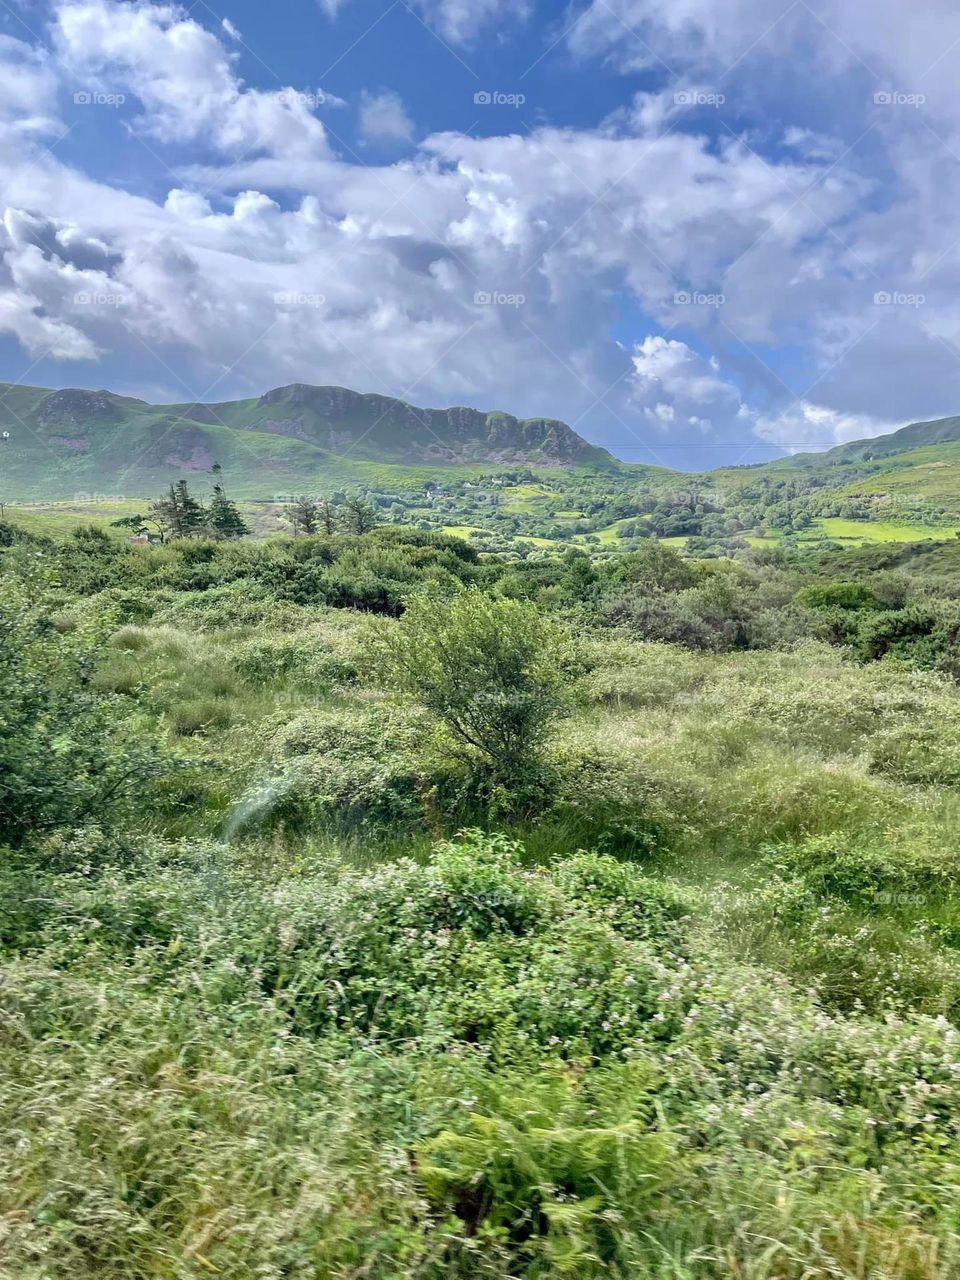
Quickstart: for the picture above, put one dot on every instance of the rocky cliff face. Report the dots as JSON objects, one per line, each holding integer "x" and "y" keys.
{"x": 71, "y": 408}
{"x": 336, "y": 418}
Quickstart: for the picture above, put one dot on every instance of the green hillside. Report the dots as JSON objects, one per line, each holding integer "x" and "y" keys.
{"x": 922, "y": 460}
{"x": 915, "y": 436}
{"x": 69, "y": 442}
{"x": 507, "y": 481}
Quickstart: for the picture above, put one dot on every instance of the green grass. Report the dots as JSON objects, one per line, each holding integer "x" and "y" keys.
{"x": 300, "y": 1054}
{"x": 329, "y": 1000}
{"x": 856, "y": 532}
{"x": 59, "y": 519}
{"x": 609, "y": 536}
{"x": 878, "y": 531}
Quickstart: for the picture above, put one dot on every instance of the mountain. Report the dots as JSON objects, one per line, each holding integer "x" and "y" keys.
{"x": 917, "y": 435}
{"x": 67, "y": 442}
{"x": 81, "y": 445}
{"x": 918, "y": 462}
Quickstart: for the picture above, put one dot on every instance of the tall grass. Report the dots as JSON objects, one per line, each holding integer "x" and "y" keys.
{"x": 324, "y": 1048}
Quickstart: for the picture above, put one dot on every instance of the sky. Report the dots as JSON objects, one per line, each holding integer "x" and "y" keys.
{"x": 703, "y": 233}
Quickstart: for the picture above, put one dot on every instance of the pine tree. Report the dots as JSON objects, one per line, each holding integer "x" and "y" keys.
{"x": 360, "y": 516}
{"x": 305, "y": 515}
{"x": 179, "y": 512}
{"x": 193, "y": 518}
{"x": 329, "y": 516}
{"x": 224, "y": 519}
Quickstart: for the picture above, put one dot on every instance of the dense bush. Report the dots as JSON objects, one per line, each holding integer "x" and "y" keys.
{"x": 494, "y": 672}
{"x": 64, "y": 755}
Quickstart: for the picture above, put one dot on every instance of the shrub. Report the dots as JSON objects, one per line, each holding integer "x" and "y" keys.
{"x": 310, "y": 658}
{"x": 473, "y": 948}
{"x": 925, "y": 635}
{"x": 839, "y": 595}
{"x": 64, "y": 755}
{"x": 492, "y": 671}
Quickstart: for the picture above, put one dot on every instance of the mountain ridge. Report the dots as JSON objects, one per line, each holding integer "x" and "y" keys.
{"x": 61, "y": 441}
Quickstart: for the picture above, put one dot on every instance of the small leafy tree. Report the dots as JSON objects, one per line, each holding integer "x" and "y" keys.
{"x": 494, "y": 672}
{"x": 139, "y": 523}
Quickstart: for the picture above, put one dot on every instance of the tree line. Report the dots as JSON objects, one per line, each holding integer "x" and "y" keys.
{"x": 178, "y": 514}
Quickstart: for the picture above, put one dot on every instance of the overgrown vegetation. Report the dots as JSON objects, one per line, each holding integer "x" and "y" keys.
{"x": 371, "y": 907}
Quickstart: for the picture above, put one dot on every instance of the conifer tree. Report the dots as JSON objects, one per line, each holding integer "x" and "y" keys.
{"x": 179, "y": 512}
{"x": 329, "y": 516}
{"x": 224, "y": 520}
{"x": 360, "y": 516}
{"x": 305, "y": 515}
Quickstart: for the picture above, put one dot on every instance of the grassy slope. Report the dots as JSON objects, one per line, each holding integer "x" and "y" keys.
{"x": 136, "y": 449}
{"x": 194, "y": 1134}
{"x": 132, "y": 449}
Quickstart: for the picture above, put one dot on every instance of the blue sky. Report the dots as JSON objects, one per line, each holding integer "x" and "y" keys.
{"x": 702, "y": 233}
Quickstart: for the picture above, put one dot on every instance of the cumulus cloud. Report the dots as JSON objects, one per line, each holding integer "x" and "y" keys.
{"x": 487, "y": 270}
{"x": 812, "y": 426}
{"x": 673, "y": 383}
{"x": 384, "y": 118}
{"x": 183, "y": 77}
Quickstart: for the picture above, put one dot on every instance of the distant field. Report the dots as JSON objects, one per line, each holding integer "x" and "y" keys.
{"x": 859, "y": 531}
{"x": 609, "y": 537}
{"x": 465, "y": 530}
{"x": 58, "y": 519}
{"x": 862, "y": 531}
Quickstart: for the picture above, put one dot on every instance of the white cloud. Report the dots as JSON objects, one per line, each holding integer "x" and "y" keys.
{"x": 378, "y": 266}
{"x": 183, "y": 77}
{"x": 813, "y": 426}
{"x": 676, "y": 387}
{"x": 28, "y": 88}
{"x": 384, "y": 118}
{"x": 458, "y": 21}
{"x": 462, "y": 20}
